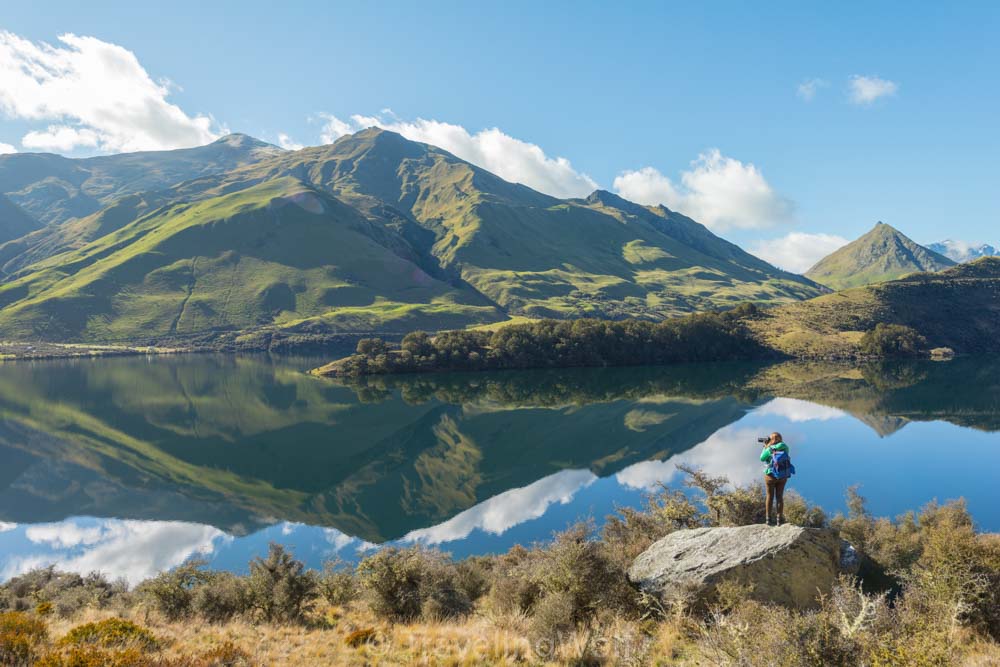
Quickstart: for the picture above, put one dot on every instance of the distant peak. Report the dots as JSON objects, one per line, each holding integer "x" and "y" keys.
{"x": 606, "y": 198}
{"x": 239, "y": 140}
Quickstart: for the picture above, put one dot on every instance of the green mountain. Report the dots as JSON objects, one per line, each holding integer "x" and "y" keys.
{"x": 371, "y": 233}
{"x": 14, "y": 222}
{"x": 957, "y": 308}
{"x": 882, "y": 254}
{"x": 54, "y": 189}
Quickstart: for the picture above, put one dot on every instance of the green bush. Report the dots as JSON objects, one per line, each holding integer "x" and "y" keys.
{"x": 280, "y": 588}
{"x": 892, "y": 340}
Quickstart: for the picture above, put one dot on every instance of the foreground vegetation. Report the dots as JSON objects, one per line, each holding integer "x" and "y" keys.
{"x": 928, "y": 594}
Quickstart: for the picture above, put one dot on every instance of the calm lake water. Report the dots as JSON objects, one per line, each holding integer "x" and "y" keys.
{"x": 132, "y": 465}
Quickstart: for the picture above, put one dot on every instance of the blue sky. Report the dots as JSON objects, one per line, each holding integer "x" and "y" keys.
{"x": 901, "y": 126}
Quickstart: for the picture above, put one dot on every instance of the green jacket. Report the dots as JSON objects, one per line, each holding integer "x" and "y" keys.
{"x": 765, "y": 455}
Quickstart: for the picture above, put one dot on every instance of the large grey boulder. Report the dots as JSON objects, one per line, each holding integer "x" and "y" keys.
{"x": 785, "y": 565}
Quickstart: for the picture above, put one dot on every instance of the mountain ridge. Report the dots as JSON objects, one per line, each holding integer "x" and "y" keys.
{"x": 883, "y": 253}
{"x": 481, "y": 248}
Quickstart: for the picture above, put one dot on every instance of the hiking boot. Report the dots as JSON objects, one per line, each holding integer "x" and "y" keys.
{"x": 767, "y": 520}
{"x": 781, "y": 521}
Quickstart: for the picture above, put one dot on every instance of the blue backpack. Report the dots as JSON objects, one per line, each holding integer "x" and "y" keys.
{"x": 781, "y": 465}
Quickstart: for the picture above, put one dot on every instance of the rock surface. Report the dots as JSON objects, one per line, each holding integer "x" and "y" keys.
{"x": 786, "y": 565}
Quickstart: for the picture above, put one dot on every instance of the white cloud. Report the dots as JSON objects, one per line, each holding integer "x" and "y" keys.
{"x": 288, "y": 143}
{"x": 718, "y": 191}
{"x": 512, "y": 159}
{"x": 6, "y": 148}
{"x": 60, "y": 138}
{"x": 340, "y": 541}
{"x": 508, "y": 509}
{"x": 94, "y": 94}
{"x": 724, "y": 453}
{"x": 135, "y": 550}
{"x": 864, "y": 90}
{"x": 334, "y": 128}
{"x": 807, "y": 89}
{"x": 796, "y": 410}
{"x": 797, "y": 251}
{"x": 6, "y": 525}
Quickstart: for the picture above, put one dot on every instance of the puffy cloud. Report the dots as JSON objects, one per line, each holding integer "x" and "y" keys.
{"x": 6, "y": 525}
{"x": 60, "y": 138}
{"x": 508, "y": 509}
{"x": 796, "y": 410}
{"x": 724, "y": 453}
{"x": 288, "y": 143}
{"x": 807, "y": 89}
{"x": 718, "y": 191}
{"x": 864, "y": 90}
{"x": 797, "y": 251}
{"x": 135, "y": 550}
{"x": 334, "y": 128}
{"x": 340, "y": 541}
{"x": 512, "y": 159}
{"x": 95, "y": 94}
{"x": 6, "y": 148}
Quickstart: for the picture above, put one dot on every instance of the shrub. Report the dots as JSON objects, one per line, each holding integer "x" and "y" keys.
{"x": 554, "y": 617}
{"x": 66, "y": 592}
{"x": 360, "y": 636}
{"x": 172, "y": 592}
{"x": 337, "y": 584}
{"x": 632, "y": 531}
{"x": 892, "y": 340}
{"x": 224, "y": 655}
{"x": 403, "y": 584}
{"x": 93, "y": 656}
{"x": 221, "y": 598}
{"x": 801, "y": 513}
{"x": 21, "y": 636}
{"x": 474, "y": 575}
{"x": 280, "y": 589}
{"x": 578, "y": 565}
{"x": 111, "y": 633}
{"x": 513, "y": 591}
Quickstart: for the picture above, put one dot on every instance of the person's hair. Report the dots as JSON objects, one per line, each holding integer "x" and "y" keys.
{"x": 777, "y": 436}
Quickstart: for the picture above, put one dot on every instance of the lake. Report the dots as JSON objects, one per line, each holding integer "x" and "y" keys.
{"x": 133, "y": 465}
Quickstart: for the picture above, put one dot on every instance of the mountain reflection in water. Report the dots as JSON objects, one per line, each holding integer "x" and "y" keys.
{"x": 132, "y": 465}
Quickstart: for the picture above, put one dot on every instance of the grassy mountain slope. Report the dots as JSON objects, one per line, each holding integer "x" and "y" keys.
{"x": 13, "y": 221}
{"x": 53, "y": 189}
{"x": 274, "y": 253}
{"x": 530, "y": 253}
{"x": 957, "y": 308}
{"x": 882, "y": 254}
{"x": 484, "y": 249}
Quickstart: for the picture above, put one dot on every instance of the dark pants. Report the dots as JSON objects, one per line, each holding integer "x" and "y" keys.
{"x": 775, "y": 495}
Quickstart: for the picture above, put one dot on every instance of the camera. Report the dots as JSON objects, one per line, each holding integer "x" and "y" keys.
{"x": 763, "y": 440}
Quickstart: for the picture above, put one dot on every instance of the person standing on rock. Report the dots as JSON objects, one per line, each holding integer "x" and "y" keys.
{"x": 779, "y": 469}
